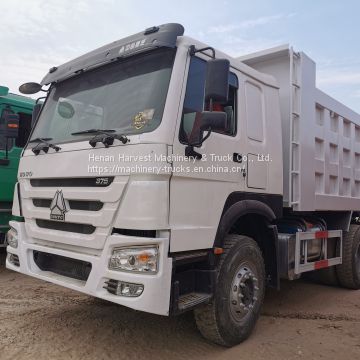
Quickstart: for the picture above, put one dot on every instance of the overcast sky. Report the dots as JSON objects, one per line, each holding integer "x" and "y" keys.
{"x": 38, "y": 34}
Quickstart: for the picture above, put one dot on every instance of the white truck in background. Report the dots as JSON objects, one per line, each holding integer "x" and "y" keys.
{"x": 166, "y": 176}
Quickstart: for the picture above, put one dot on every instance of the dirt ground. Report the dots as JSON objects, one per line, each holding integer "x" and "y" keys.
{"x": 45, "y": 321}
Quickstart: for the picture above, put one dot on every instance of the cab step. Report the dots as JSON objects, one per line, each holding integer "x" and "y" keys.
{"x": 192, "y": 299}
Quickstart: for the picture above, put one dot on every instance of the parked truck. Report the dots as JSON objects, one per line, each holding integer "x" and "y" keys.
{"x": 10, "y": 150}
{"x": 166, "y": 176}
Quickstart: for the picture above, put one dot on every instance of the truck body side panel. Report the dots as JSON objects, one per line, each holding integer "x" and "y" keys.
{"x": 321, "y": 136}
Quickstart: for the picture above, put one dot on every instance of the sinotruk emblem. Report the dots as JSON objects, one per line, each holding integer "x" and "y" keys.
{"x": 58, "y": 207}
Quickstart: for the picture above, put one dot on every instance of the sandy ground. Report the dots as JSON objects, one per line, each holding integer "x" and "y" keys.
{"x": 45, "y": 321}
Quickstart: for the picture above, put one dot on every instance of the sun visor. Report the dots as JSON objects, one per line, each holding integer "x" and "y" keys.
{"x": 154, "y": 37}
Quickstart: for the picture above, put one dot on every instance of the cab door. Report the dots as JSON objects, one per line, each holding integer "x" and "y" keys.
{"x": 200, "y": 187}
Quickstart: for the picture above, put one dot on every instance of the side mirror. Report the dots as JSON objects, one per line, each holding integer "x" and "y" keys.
{"x": 30, "y": 88}
{"x": 35, "y": 113}
{"x": 217, "y": 80}
{"x": 213, "y": 121}
{"x": 11, "y": 126}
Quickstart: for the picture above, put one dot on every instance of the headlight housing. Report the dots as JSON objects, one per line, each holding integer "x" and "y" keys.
{"x": 135, "y": 259}
{"x": 12, "y": 238}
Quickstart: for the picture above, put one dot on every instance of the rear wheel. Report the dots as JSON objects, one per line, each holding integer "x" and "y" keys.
{"x": 236, "y": 306}
{"x": 348, "y": 272}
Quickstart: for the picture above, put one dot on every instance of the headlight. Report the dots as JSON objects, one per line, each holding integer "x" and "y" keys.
{"x": 12, "y": 238}
{"x": 138, "y": 259}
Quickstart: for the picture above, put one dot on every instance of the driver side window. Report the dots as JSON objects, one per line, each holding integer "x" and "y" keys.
{"x": 194, "y": 102}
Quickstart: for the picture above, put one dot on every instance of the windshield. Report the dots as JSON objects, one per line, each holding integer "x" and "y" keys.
{"x": 127, "y": 96}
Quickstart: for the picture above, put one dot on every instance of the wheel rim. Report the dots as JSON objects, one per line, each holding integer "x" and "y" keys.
{"x": 244, "y": 291}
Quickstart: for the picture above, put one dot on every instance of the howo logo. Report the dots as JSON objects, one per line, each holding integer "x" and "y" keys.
{"x": 58, "y": 207}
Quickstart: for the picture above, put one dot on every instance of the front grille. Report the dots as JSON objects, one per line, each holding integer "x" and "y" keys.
{"x": 137, "y": 233}
{"x": 63, "y": 226}
{"x": 61, "y": 265}
{"x": 67, "y": 204}
{"x": 74, "y": 204}
{"x": 69, "y": 182}
{"x": 85, "y": 205}
{"x": 42, "y": 202}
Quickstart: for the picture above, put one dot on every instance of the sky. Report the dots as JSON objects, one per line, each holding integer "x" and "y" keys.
{"x": 38, "y": 34}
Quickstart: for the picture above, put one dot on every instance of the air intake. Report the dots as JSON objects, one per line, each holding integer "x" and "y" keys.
{"x": 61, "y": 265}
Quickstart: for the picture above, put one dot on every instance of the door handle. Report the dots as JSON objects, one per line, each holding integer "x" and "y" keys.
{"x": 237, "y": 158}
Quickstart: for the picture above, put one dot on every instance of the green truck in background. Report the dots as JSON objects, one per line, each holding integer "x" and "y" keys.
{"x": 10, "y": 149}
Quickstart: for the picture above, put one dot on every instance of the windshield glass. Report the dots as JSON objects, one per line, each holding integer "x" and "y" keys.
{"x": 126, "y": 96}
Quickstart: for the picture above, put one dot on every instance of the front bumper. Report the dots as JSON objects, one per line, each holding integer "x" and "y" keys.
{"x": 157, "y": 287}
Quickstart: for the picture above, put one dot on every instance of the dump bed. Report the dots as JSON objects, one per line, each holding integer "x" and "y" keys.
{"x": 321, "y": 136}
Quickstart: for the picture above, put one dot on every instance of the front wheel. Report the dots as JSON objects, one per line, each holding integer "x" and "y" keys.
{"x": 239, "y": 295}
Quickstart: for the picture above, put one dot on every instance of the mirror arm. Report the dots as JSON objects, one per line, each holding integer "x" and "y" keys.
{"x": 41, "y": 97}
{"x": 206, "y": 136}
{"x": 189, "y": 150}
{"x": 193, "y": 50}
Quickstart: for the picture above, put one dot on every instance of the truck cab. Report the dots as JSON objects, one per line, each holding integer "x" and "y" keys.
{"x": 10, "y": 151}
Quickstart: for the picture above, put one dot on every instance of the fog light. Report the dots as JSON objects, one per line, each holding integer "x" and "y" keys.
{"x": 121, "y": 288}
{"x": 13, "y": 259}
{"x": 138, "y": 259}
{"x": 12, "y": 238}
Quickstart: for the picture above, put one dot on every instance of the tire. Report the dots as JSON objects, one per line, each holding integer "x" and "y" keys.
{"x": 348, "y": 272}
{"x": 240, "y": 280}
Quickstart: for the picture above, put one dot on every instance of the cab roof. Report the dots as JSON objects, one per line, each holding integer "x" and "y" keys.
{"x": 167, "y": 35}
{"x": 153, "y": 37}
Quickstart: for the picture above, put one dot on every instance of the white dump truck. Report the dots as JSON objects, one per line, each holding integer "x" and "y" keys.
{"x": 166, "y": 176}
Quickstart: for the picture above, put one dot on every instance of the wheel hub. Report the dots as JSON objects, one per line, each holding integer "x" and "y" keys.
{"x": 243, "y": 293}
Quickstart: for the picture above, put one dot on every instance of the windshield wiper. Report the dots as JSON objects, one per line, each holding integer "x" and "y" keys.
{"x": 43, "y": 145}
{"x": 40, "y": 140}
{"x": 104, "y": 136}
{"x": 93, "y": 131}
